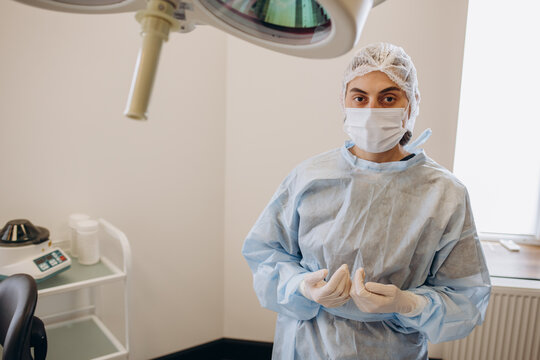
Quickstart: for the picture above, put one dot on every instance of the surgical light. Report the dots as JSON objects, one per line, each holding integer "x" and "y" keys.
{"x": 306, "y": 28}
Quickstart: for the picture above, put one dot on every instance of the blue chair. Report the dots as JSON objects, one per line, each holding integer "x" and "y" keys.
{"x": 20, "y": 330}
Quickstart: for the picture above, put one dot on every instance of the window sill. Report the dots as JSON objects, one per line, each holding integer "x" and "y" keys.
{"x": 523, "y": 264}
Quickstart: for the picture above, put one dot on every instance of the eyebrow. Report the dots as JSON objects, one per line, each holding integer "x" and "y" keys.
{"x": 391, "y": 88}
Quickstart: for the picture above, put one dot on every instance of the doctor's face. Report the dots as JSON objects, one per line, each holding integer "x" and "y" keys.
{"x": 374, "y": 90}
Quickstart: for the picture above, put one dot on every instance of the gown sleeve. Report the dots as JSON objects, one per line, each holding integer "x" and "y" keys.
{"x": 272, "y": 252}
{"x": 457, "y": 287}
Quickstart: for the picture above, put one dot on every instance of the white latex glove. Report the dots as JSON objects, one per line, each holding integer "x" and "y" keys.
{"x": 329, "y": 294}
{"x": 380, "y": 298}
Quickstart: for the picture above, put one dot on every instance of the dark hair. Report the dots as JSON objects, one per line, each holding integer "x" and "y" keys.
{"x": 406, "y": 138}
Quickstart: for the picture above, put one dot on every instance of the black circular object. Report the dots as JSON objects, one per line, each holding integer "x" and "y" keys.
{"x": 22, "y": 232}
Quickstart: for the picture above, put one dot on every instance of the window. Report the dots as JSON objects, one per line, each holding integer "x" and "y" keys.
{"x": 498, "y": 140}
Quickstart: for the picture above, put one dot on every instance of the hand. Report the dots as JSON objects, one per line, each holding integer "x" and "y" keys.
{"x": 379, "y": 298}
{"x": 329, "y": 294}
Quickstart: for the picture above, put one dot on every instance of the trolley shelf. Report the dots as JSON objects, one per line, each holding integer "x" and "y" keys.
{"x": 82, "y": 339}
{"x": 81, "y": 276}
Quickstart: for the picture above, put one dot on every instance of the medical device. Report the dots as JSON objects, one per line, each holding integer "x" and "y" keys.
{"x": 306, "y": 28}
{"x": 25, "y": 248}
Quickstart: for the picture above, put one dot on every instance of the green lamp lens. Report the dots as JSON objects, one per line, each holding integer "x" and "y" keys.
{"x": 284, "y": 21}
{"x": 287, "y": 13}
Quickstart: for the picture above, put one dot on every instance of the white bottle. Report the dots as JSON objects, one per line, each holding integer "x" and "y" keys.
{"x": 73, "y": 219}
{"x": 88, "y": 242}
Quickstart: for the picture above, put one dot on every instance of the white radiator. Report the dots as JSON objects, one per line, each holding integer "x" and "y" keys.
{"x": 511, "y": 330}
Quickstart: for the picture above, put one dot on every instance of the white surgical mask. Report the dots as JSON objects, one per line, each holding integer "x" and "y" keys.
{"x": 375, "y": 130}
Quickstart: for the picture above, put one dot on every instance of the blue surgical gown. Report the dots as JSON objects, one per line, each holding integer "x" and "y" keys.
{"x": 406, "y": 223}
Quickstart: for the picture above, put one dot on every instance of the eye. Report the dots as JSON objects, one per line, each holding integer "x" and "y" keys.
{"x": 359, "y": 98}
{"x": 388, "y": 99}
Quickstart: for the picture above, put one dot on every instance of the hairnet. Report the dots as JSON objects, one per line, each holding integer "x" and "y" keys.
{"x": 395, "y": 63}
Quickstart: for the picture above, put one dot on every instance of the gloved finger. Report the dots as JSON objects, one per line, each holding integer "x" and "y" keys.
{"x": 314, "y": 277}
{"x": 327, "y": 292}
{"x": 343, "y": 297}
{"x": 346, "y": 267}
{"x": 348, "y": 285}
{"x": 347, "y": 291}
{"x": 348, "y": 276}
{"x": 381, "y": 289}
{"x": 336, "y": 280}
{"x": 339, "y": 302}
{"x": 342, "y": 271}
{"x": 359, "y": 277}
{"x": 361, "y": 290}
{"x": 344, "y": 301}
{"x": 353, "y": 285}
{"x": 342, "y": 285}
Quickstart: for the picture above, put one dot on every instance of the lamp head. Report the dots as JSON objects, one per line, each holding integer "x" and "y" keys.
{"x": 305, "y": 28}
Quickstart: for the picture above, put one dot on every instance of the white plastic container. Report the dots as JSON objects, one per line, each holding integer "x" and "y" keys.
{"x": 73, "y": 219}
{"x": 88, "y": 242}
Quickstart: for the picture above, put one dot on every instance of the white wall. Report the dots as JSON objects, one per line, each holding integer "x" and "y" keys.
{"x": 66, "y": 147}
{"x": 281, "y": 110}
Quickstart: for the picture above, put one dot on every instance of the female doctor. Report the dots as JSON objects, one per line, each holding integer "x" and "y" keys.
{"x": 369, "y": 250}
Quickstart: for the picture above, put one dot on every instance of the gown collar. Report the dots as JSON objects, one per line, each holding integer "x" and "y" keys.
{"x": 393, "y": 166}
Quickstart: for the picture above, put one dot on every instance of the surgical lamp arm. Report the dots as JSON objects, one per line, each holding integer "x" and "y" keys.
{"x": 156, "y": 22}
